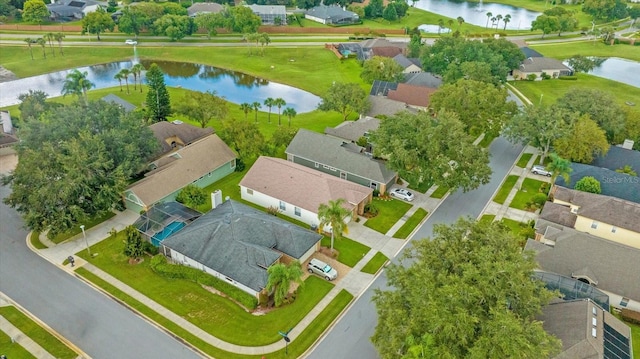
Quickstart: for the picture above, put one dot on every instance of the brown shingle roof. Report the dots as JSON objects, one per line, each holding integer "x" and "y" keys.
{"x": 386, "y": 51}
{"x": 187, "y": 164}
{"x": 182, "y": 133}
{"x": 412, "y": 95}
{"x": 301, "y": 186}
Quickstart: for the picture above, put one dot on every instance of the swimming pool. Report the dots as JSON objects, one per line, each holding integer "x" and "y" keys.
{"x": 167, "y": 231}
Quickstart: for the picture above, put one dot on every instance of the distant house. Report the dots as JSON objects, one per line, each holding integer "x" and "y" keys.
{"x": 269, "y": 13}
{"x": 529, "y": 52}
{"x": 7, "y": 135}
{"x": 200, "y": 163}
{"x": 297, "y": 191}
{"x": 73, "y": 9}
{"x": 332, "y": 15}
{"x": 111, "y": 98}
{"x": 611, "y": 267}
{"x": 354, "y": 130}
{"x": 177, "y": 134}
{"x": 410, "y": 66}
{"x": 603, "y": 216}
{"x": 237, "y": 244}
{"x": 424, "y": 79}
{"x": 612, "y": 183}
{"x": 617, "y": 158}
{"x": 415, "y": 96}
{"x": 383, "y": 106}
{"x": 586, "y": 330}
{"x": 381, "y": 47}
{"x": 204, "y": 8}
{"x": 339, "y": 158}
{"x": 541, "y": 65}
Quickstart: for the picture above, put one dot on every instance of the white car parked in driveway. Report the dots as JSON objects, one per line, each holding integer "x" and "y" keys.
{"x": 401, "y": 193}
{"x": 322, "y": 269}
{"x": 540, "y": 170}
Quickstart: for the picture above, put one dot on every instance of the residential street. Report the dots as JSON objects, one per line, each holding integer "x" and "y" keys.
{"x": 95, "y": 323}
{"x": 349, "y": 338}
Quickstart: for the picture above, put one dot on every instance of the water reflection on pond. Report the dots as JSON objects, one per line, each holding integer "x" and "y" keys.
{"x": 234, "y": 86}
{"x": 621, "y": 70}
{"x": 476, "y": 13}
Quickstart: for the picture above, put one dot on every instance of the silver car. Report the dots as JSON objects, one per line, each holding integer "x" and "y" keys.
{"x": 540, "y": 170}
{"x": 401, "y": 193}
{"x": 322, "y": 269}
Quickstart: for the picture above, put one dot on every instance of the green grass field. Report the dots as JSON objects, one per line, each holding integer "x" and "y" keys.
{"x": 34, "y": 331}
{"x": 439, "y": 192}
{"x": 350, "y": 251}
{"x": 411, "y": 223}
{"x": 524, "y": 159}
{"x": 390, "y": 211}
{"x": 375, "y": 263}
{"x": 565, "y": 50}
{"x": 505, "y": 189}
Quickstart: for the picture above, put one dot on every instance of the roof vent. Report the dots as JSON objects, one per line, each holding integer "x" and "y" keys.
{"x": 177, "y": 122}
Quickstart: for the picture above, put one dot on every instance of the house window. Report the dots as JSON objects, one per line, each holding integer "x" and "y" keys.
{"x": 343, "y": 175}
{"x": 328, "y": 168}
{"x": 233, "y": 164}
{"x": 297, "y": 211}
{"x": 613, "y": 229}
{"x": 316, "y": 164}
{"x": 249, "y": 191}
{"x": 283, "y": 206}
{"x": 624, "y": 302}
{"x": 594, "y": 225}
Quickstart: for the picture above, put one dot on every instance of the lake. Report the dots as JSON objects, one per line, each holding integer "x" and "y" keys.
{"x": 621, "y": 70}
{"x": 236, "y": 87}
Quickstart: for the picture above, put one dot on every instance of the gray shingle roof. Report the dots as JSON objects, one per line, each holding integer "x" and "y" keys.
{"x": 383, "y": 106}
{"x": 559, "y": 214}
{"x": 612, "y": 183}
{"x": 618, "y": 157}
{"x": 538, "y": 64}
{"x": 353, "y": 130}
{"x": 615, "y": 266}
{"x": 331, "y": 151}
{"x": 334, "y": 12}
{"x": 424, "y": 79}
{"x": 241, "y": 242}
{"x": 167, "y": 132}
{"x": 201, "y": 7}
{"x": 403, "y": 61}
{"x": 529, "y": 52}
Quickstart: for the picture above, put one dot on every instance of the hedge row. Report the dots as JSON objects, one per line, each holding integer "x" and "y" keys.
{"x": 160, "y": 265}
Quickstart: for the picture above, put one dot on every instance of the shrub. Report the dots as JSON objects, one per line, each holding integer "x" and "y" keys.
{"x": 545, "y": 76}
{"x": 532, "y": 77}
{"x": 588, "y": 184}
{"x": 133, "y": 246}
{"x": 273, "y": 210}
{"x": 240, "y": 166}
{"x": 376, "y": 193}
{"x": 160, "y": 266}
{"x": 568, "y": 78}
{"x": 544, "y": 187}
{"x": 372, "y": 209}
{"x": 537, "y": 201}
{"x": 192, "y": 196}
{"x": 150, "y": 248}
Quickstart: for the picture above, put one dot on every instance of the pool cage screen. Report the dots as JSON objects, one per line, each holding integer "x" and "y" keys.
{"x": 164, "y": 219}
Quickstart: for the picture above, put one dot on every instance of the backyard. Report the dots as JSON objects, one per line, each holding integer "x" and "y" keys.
{"x": 389, "y": 212}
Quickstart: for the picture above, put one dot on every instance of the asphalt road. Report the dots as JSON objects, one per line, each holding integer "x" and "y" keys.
{"x": 349, "y": 338}
{"x": 96, "y": 324}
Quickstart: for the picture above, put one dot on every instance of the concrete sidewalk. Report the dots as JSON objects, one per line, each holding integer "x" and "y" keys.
{"x": 17, "y": 336}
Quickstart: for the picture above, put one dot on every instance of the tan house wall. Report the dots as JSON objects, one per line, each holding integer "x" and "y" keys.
{"x": 608, "y": 231}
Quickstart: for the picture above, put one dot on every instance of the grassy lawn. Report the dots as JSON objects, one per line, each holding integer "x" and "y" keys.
{"x": 524, "y": 159}
{"x": 486, "y": 141}
{"x": 12, "y": 350}
{"x": 422, "y": 188}
{"x": 566, "y": 50}
{"x": 529, "y": 188}
{"x": 188, "y": 299}
{"x": 390, "y": 211}
{"x": 552, "y": 90}
{"x": 35, "y": 240}
{"x": 487, "y": 218}
{"x": 505, "y": 189}
{"x": 88, "y": 224}
{"x": 350, "y": 251}
{"x": 38, "y": 334}
{"x": 635, "y": 335}
{"x": 411, "y": 224}
{"x": 439, "y": 192}
{"x": 375, "y": 263}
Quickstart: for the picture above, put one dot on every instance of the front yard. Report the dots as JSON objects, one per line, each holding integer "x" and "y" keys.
{"x": 530, "y": 187}
{"x": 389, "y": 212}
{"x": 350, "y": 252}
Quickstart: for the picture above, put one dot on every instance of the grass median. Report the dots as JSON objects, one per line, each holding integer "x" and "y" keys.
{"x": 411, "y": 223}
{"x": 375, "y": 263}
{"x": 505, "y": 189}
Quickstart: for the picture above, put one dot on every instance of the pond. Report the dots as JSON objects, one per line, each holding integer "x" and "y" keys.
{"x": 621, "y": 70}
{"x": 234, "y": 86}
{"x": 476, "y": 13}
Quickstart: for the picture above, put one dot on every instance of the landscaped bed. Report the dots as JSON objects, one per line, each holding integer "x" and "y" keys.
{"x": 217, "y": 315}
{"x": 411, "y": 224}
{"x": 389, "y": 212}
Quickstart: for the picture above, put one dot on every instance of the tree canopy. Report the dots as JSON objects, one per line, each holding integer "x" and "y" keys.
{"x": 585, "y": 140}
{"x": 280, "y": 278}
{"x": 467, "y": 292}
{"x": 588, "y": 184}
{"x": 203, "y": 107}
{"x": 75, "y": 162}
{"x": 244, "y": 137}
{"x": 157, "y": 101}
{"x": 381, "y": 68}
{"x": 35, "y": 11}
{"x": 175, "y": 27}
{"x": 97, "y": 22}
{"x": 333, "y": 214}
{"x": 437, "y": 150}
{"x": 481, "y": 107}
{"x": 345, "y": 98}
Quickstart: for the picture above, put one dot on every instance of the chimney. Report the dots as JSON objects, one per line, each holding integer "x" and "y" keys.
{"x": 627, "y": 144}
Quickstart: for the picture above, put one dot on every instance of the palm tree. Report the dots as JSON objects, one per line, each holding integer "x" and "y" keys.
{"x": 136, "y": 70}
{"x": 450, "y": 23}
{"x": 50, "y": 37}
{"x": 489, "y": 15}
{"x": 29, "y": 41}
{"x": 559, "y": 167}
{"x": 125, "y": 75}
{"x": 493, "y": 21}
{"x": 256, "y": 106}
{"x": 280, "y": 278}
{"x": 460, "y": 21}
{"x": 498, "y": 19}
{"x": 42, "y": 42}
{"x": 506, "y": 20}
{"x": 289, "y": 112}
{"x": 333, "y": 214}
{"x": 119, "y": 77}
{"x": 440, "y": 25}
{"x": 245, "y": 107}
{"x": 269, "y": 103}
{"x": 59, "y": 36}
{"x": 77, "y": 84}
{"x": 279, "y": 102}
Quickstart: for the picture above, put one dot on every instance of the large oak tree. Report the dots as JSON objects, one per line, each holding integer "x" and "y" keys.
{"x": 437, "y": 150}
{"x": 345, "y": 98}
{"x": 465, "y": 293}
{"x": 585, "y": 141}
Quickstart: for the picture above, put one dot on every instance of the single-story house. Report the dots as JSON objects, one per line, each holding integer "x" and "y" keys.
{"x": 269, "y": 13}
{"x": 586, "y": 330}
{"x": 297, "y": 191}
{"x": 177, "y": 134}
{"x": 331, "y": 15}
{"x": 204, "y": 8}
{"x": 200, "y": 163}
{"x": 424, "y": 79}
{"x": 381, "y": 105}
{"x": 612, "y": 267}
{"x": 414, "y": 96}
{"x": 529, "y": 52}
{"x": 612, "y": 183}
{"x": 603, "y": 216}
{"x": 73, "y": 9}
{"x": 384, "y": 48}
{"x": 237, "y": 244}
{"x": 341, "y": 159}
{"x": 541, "y": 65}
{"x": 410, "y": 66}
{"x": 126, "y": 105}
{"x": 617, "y": 158}
{"x": 354, "y": 130}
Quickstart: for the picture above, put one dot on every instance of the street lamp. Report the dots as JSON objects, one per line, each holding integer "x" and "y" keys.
{"x": 85, "y": 240}
{"x": 285, "y": 336}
